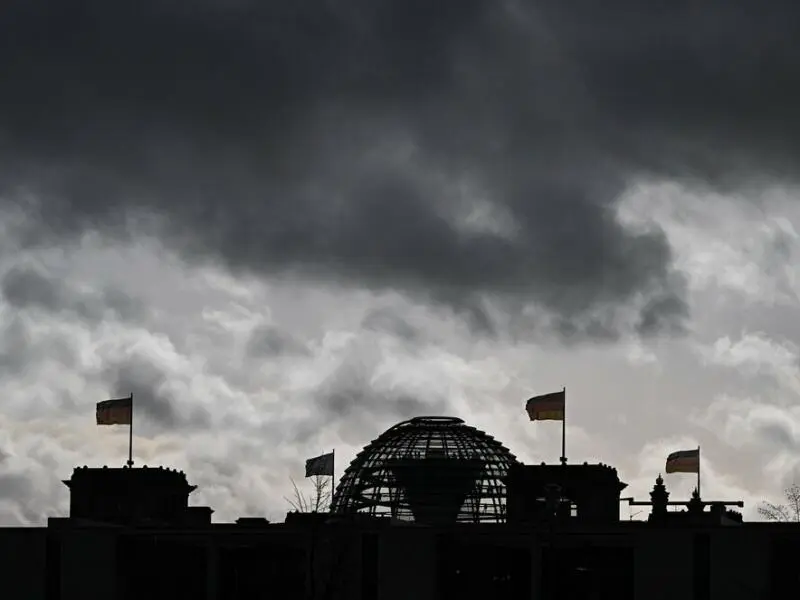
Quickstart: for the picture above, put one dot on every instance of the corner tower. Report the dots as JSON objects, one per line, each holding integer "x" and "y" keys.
{"x": 129, "y": 496}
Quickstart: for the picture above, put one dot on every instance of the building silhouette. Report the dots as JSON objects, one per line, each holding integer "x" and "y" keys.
{"x": 431, "y": 509}
{"x": 429, "y": 470}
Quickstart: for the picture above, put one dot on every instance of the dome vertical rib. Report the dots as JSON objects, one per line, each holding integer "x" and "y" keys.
{"x": 433, "y": 470}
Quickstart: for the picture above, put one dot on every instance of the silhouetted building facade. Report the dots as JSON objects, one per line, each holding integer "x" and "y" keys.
{"x": 584, "y": 493}
{"x": 432, "y": 509}
{"x": 128, "y": 496}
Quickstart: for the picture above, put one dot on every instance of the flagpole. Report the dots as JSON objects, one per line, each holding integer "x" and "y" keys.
{"x": 564, "y": 429}
{"x": 698, "y": 470}
{"x": 333, "y": 476}
{"x": 130, "y": 436}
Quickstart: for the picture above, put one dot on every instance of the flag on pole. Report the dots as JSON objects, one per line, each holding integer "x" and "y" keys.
{"x": 684, "y": 461}
{"x": 320, "y": 465}
{"x": 118, "y": 411}
{"x": 547, "y": 407}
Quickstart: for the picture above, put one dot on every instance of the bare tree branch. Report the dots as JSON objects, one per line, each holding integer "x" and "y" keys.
{"x": 322, "y": 493}
{"x": 789, "y": 512}
{"x": 318, "y": 501}
{"x": 298, "y": 502}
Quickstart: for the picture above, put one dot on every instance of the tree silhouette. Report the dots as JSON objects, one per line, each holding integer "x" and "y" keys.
{"x": 319, "y": 499}
{"x": 783, "y": 512}
{"x": 322, "y": 579}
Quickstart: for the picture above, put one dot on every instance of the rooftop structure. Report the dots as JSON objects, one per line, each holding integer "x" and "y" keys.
{"x": 432, "y": 470}
{"x": 129, "y": 496}
{"x": 589, "y": 493}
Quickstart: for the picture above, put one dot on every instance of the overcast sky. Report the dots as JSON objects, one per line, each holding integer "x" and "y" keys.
{"x": 286, "y": 226}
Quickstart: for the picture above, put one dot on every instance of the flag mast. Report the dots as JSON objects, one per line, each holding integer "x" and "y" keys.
{"x": 698, "y": 470}
{"x": 333, "y": 476}
{"x": 551, "y": 407}
{"x": 564, "y": 429}
{"x": 130, "y": 436}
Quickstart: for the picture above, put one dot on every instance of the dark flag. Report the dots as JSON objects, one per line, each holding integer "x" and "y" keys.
{"x": 547, "y": 407}
{"x": 115, "y": 412}
{"x": 320, "y": 465}
{"x": 684, "y": 461}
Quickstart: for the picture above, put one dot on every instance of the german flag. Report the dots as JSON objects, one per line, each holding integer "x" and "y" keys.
{"x": 547, "y": 407}
{"x": 684, "y": 461}
{"x": 118, "y": 411}
{"x": 320, "y": 465}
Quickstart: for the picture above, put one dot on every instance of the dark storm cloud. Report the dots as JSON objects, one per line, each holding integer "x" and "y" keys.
{"x": 351, "y": 392}
{"x": 351, "y": 399}
{"x": 332, "y": 138}
{"x": 659, "y": 313}
{"x": 269, "y": 341}
{"x": 386, "y": 320}
{"x": 15, "y": 485}
{"x": 16, "y": 347}
{"x": 22, "y": 353}
{"x": 25, "y": 287}
{"x": 147, "y": 382}
{"x": 779, "y": 433}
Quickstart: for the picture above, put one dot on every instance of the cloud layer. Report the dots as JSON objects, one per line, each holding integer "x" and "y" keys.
{"x": 286, "y": 226}
{"x": 455, "y": 152}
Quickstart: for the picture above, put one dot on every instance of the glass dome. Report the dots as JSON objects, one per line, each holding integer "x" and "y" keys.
{"x": 432, "y": 470}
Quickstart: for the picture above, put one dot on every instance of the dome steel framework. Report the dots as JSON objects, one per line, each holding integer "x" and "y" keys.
{"x": 428, "y": 470}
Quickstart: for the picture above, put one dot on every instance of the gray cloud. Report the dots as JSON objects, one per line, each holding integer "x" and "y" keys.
{"x": 269, "y": 341}
{"x": 22, "y": 353}
{"x": 14, "y": 485}
{"x": 148, "y": 383}
{"x": 26, "y": 287}
{"x": 265, "y": 417}
{"x": 352, "y": 142}
{"x": 662, "y": 312}
{"x": 353, "y": 398}
{"x": 347, "y": 394}
{"x": 15, "y": 347}
{"x": 386, "y": 320}
{"x": 778, "y": 433}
